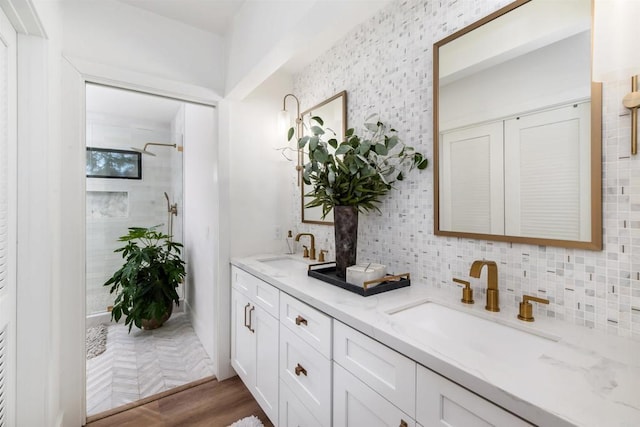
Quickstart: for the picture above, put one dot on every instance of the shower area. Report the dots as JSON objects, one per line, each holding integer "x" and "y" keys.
{"x": 135, "y": 178}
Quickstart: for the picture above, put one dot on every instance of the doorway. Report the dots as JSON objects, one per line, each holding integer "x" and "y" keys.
{"x": 140, "y": 148}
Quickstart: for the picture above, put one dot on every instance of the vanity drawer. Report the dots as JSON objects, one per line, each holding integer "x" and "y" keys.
{"x": 386, "y": 371}
{"x": 307, "y": 373}
{"x": 259, "y": 291}
{"x": 313, "y": 326}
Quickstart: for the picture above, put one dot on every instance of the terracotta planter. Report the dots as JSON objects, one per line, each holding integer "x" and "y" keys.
{"x": 149, "y": 324}
{"x": 345, "y": 219}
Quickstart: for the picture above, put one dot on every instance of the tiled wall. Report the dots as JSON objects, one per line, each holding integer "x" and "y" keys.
{"x": 385, "y": 67}
{"x": 113, "y": 205}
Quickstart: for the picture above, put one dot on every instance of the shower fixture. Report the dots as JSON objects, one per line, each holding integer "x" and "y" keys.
{"x": 172, "y": 209}
{"x": 144, "y": 150}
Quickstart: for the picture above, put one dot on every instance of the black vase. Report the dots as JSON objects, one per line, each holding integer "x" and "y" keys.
{"x": 345, "y": 220}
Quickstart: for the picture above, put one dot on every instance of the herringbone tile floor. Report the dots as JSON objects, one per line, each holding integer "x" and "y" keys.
{"x": 143, "y": 363}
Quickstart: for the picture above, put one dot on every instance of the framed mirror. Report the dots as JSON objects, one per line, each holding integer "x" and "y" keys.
{"x": 333, "y": 112}
{"x": 517, "y": 128}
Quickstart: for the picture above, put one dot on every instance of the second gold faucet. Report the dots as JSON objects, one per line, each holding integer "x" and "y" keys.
{"x": 312, "y": 244}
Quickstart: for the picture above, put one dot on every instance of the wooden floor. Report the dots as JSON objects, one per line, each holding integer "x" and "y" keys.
{"x": 211, "y": 404}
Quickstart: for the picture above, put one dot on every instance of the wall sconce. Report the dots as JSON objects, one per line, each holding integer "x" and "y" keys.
{"x": 284, "y": 121}
{"x": 615, "y": 53}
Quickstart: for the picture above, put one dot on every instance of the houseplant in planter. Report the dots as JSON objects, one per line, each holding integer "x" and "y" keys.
{"x": 145, "y": 285}
{"x": 353, "y": 175}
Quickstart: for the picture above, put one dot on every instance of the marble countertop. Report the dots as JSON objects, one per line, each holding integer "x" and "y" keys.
{"x": 585, "y": 378}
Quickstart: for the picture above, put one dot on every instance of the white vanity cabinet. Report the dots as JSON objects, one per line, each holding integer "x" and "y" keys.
{"x": 441, "y": 402}
{"x": 255, "y": 335}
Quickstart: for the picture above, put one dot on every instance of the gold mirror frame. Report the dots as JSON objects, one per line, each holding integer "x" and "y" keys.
{"x": 596, "y": 156}
{"x": 340, "y": 135}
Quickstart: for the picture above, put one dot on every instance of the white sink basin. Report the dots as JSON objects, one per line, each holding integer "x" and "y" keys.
{"x": 286, "y": 264}
{"x": 485, "y": 336}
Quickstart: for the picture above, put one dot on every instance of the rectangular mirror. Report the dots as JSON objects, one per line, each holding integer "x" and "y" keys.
{"x": 333, "y": 112}
{"x": 517, "y": 128}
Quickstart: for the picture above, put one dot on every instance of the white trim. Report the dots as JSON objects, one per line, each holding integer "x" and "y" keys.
{"x": 23, "y": 17}
{"x": 73, "y": 198}
{"x": 108, "y": 75}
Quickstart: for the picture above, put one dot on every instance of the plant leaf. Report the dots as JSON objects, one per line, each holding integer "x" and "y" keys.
{"x": 318, "y": 120}
{"x": 290, "y": 134}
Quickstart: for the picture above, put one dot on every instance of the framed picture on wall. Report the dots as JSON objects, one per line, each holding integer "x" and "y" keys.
{"x": 112, "y": 163}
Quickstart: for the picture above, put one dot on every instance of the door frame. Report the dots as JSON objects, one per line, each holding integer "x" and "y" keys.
{"x": 76, "y": 73}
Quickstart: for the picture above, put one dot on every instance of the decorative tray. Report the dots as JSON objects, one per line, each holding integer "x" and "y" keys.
{"x": 388, "y": 283}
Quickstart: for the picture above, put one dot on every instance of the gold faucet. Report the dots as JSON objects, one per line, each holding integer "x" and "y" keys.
{"x": 312, "y": 249}
{"x": 492, "y": 282}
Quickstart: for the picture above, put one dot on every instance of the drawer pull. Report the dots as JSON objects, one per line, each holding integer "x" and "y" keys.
{"x": 250, "y": 322}
{"x": 300, "y": 370}
{"x": 246, "y": 325}
{"x": 301, "y": 320}
{"x": 403, "y": 423}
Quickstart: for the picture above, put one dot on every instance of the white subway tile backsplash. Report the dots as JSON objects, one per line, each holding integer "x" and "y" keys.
{"x": 385, "y": 65}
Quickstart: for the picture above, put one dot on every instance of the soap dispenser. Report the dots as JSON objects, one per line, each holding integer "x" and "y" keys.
{"x": 291, "y": 249}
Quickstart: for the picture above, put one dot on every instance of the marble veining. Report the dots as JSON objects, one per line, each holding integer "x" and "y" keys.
{"x": 586, "y": 378}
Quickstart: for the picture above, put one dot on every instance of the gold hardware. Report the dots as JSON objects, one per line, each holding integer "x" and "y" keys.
{"x": 250, "y": 322}
{"x": 632, "y": 102}
{"x": 526, "y": 309}
{"x": 493, "y": 302}
{"x": 321, "y": 255}
{"x": 300, "y": 370}
{"x": 246, "y": 325}
{"x": 298, "y": 132}
{"x": 467, "y": 292}
{"x": 403, "y": 423}
{"x": 312, "y": 252}
{"x": 397, "y": 277}
{"x": 301, "y": 320}
{"x": 305, "y": 252}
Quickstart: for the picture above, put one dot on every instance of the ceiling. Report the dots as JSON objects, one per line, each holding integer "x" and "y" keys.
{"x": 213, "y": 16}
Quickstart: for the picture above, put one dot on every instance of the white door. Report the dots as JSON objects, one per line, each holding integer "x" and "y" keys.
{"x": 243, "y": 342}
{"x": 8, "y": 159}
{"x": 472, "y": 201}
{"x": 267, "y": 350}
{"x": 549, "y": 195}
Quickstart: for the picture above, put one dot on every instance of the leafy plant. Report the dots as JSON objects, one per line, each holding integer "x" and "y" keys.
{"x": 357, "y": 171}
{"x": 146, "y": 283}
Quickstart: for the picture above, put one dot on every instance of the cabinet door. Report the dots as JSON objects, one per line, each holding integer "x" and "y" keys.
{"x": 292, "y": 412}
{"x": 243, "y": 342}
{"x": 441, "y": 402}
{"x": 266, "y": 360}
{"x": 357, "y": 405}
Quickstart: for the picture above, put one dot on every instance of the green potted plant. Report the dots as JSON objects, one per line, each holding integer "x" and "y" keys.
{"x": 353, "y": 175}
{"x": 145, "y": 285}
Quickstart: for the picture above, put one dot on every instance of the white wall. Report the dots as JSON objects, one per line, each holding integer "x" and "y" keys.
{"x": 259, "y": 174}
{"x": 114, "y": 33}
{"x": 201, "y": 220}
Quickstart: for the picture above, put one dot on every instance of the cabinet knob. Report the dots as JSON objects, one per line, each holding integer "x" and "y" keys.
{"x": 403, "y": 423}
{"x": 301, "y": 320}
{"x": 300, "y": 370}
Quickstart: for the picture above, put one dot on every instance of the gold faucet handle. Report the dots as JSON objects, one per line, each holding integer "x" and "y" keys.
{"x": 305, "y": 252}
{"x": 526, "y": 309}
{"x": 321, "y": 255}
{"x": 467, "y": 292}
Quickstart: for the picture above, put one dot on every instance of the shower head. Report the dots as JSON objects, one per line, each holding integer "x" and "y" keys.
{"x": 145, "y": 151}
